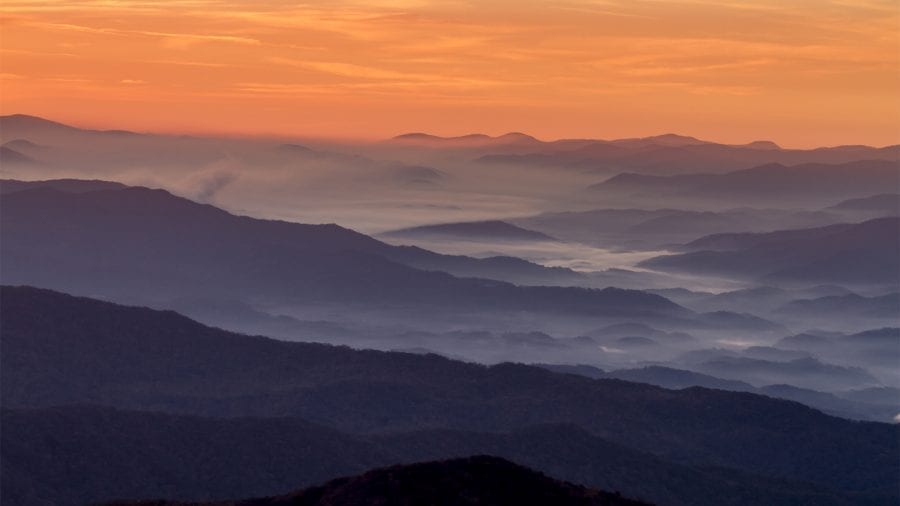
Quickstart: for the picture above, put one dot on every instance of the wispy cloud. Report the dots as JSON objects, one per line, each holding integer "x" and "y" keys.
{"x": 497, "y": 61}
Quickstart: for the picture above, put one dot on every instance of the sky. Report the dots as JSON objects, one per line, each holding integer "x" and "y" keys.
{"x": 802, "y": 73}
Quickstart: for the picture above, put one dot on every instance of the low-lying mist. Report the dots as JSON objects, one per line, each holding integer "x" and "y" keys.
{"x": 759, "y": 310}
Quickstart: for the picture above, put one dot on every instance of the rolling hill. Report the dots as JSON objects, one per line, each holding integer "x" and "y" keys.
{"x": 812, "y": 183}
{"x": 59, "y": 350}
{"x": 141, "y": 244}
{"x": 866, "y": 253}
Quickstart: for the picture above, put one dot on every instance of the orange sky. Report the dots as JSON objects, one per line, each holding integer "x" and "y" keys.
{"x": 802, "y": 73}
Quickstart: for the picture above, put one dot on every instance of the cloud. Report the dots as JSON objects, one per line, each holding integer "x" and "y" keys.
{"x": 205, "y": 186}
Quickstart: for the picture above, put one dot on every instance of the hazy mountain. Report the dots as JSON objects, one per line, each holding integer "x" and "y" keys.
{"x": 766, "y": 184}
{"x": 668, "y": 377}
{"x": 884, "y": 410}
{"x": 672, "y": 154}
{"x": 877, "y": 337}
{"x": 804, "y": 341}
{"x": 464, "y": 141}
{"x": 639, "y": 329}
{"x": 883, "y": 204}
{"x": 474, "y": 230}
{"x": 23, "y": 126}
{"x": 140, "y": 243}
{"x": 23, "y": 145}
{"x": 649, "y": 229}
{"x": 758, "y": 299}
{"x": 740, "y": 241}
{"x": 808, "y": 373}
{"x": 764, "y": 300}
{"x": 852, "y": 305}
{"x": 11, "y": 156}
{"x": 875, "y": 404}
{"x": 876, "y": 395}
{"x": 60, "y": 349}
{"x": 64, "y": 185}
{"x": 587, "y": 371}
{"x": 864, "y": 253}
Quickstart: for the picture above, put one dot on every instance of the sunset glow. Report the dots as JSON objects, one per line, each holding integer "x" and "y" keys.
{"x": 800, "y": 73}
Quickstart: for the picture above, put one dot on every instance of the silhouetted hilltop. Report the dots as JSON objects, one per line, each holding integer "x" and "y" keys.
{"x": 465, "y": 141}
{"x": 886, "y": 203}
{"x": 64, "y": 185}
{"x": 24, "y": 126}
{"x": 483, "y": 230}
{"x": 472, "y": 481}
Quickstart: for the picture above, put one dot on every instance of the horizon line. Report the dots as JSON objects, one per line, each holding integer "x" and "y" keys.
{"x": 257, "y": 135}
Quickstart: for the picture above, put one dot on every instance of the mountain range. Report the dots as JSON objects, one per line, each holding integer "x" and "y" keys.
{"x": 865, "y": 253}
{"x": 674, "y": 154}
{"x": 138, "y": 242}
{"x": 63, "y": 350}
{"x": 769, "y": 184}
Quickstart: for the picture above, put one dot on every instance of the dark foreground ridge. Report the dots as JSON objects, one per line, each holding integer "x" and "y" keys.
{"x": 688, "y": 447}
{"x": 480, "y": 480}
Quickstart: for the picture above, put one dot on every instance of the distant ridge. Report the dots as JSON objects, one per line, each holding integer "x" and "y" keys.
{"x": 26, "y": 122}
{"x": 760, "y": 145}
{"x": 21, "y": 123}
{"x": 11, "y": 156}
{"x": 63, "y": 185}
{"x": 476, "y": 139}
{"x": 326, "y": 263}
{"x": 864, "y": 253}
{"x": 488, "y": 230}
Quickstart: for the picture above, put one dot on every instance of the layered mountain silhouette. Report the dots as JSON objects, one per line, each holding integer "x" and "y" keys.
{"x": 654, "y": 228}
{"x": 59, "y": 349}
{"x": 863, "y": 253}
{"x": 661, "y": 154}
{"x": 768, "y": 184}
{"x": 876, "y": 404}
{"x": 149, "y": 244}
{"x": 847, "y": 306}
{"x": 675, "y": 154}
{"x": 688, "y": 392}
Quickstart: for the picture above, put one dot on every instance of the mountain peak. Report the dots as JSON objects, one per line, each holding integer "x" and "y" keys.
{"x": 761, "y": 145}
{"x": 26, "y": 120}
{"x": 468, "y": 139}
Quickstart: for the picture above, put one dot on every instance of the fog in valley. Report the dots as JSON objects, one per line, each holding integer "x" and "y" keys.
{"x": 758, "y": 268}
